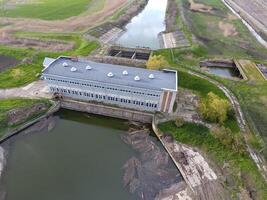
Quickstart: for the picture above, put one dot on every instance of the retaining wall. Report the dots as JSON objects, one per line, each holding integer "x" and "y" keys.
{"x": 54, "y": 108}
{"x": 108, "y": 111}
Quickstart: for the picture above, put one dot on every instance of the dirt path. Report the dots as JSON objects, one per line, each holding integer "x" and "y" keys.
{"x": 37, "y": 89}
{"x": 68, "y": 25}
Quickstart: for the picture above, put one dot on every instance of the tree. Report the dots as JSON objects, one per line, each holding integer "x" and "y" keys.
{"x": 214, "y": 109}
{"x": 156, "y": 62}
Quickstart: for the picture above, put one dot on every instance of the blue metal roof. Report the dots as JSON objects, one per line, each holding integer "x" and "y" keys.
{"x": 78, "y": 69}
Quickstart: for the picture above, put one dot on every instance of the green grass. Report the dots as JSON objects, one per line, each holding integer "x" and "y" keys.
{"x": 95, "y": 5}
{"x": 232, "y": 124}
{"x": 82, "y": 47}
{"x": 205, "y": 27}
{"x": 251, "y": 94}
{"x": 19, "y": 75}
{"x": 8, "y": 104}
{"x": 199, "y": 85}
{"x": 200, "y": 136}
{"x": 251, "y": 70}
{"x": 26, "y": 73}
{"x": 48, "y": 9}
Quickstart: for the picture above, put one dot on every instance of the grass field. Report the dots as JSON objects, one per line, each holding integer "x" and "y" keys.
{"x": 50, "y": 9}
{"x": 198, "y": 85}
{"x": 251, "y": 70}
{"x": 205, "y": 26}
{"x": 27, "y": 72}
{"x": 8, "y": 104}
{"x": 82, "y": 47}
{"x": 243, "y": 169}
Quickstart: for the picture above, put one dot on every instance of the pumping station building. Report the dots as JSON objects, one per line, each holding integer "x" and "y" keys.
{"x": 122, "y": 86}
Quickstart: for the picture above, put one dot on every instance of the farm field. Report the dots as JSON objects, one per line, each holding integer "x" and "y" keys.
{"x": 25, "y": 73}
{"x": 80, "y": 16}
{"x": 46, "y": 9}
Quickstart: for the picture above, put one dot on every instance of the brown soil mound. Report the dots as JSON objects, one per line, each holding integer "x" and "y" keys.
{"x": 228, "y": 29}
{"x": 198, "y": 7}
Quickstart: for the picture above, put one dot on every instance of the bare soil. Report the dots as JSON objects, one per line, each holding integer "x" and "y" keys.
{"x": 228, "y": 29}
{"x": 49, "y": 45}
{"x": 198, "y": 7}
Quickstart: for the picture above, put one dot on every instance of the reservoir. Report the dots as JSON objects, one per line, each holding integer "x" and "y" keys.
{"x": 74, "y": 155}
{"x": 227, "y": 72}
{"x": 80, "y": 157}
{"x": 143, "y": 29}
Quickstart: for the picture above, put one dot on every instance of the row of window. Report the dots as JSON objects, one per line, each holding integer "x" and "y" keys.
{"x": 109, "y": 88}
{"x": 104, "y": 97}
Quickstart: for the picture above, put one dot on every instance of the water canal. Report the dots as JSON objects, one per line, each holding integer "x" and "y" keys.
{"x": 75, "y": 155}
{"x": 227, "y": 72}
{"x": 143, "y": 29}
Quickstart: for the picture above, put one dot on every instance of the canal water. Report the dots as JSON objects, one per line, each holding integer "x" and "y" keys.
{"x": 143, "y": 29}
{"x": 75, "y": 156}
{"x": 227, "y": 72}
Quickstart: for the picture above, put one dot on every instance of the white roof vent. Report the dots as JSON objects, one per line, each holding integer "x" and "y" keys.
{"x": 151, "y": 76}
{"x": 137, "y": 78}
{"x": 110, "y": 74}
{"x": 73, "y": 69}
{"x": 88, "y": 67}
{"x": 65, "y": 64}
{"x": 125, "y": 72}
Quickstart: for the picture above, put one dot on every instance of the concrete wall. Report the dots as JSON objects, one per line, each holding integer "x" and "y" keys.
{"x": 107, "y": 111}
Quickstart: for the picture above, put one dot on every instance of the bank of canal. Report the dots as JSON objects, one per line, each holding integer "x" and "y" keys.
{"x": 75, "y": 155}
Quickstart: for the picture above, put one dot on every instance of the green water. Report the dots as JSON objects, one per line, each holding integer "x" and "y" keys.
{"x": 81, "y": 158}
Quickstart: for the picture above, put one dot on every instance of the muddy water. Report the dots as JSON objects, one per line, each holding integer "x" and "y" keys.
{"x": 7, "y": 61}
{"x": 143, "y": 29}
{"x": 227, "y": 72}
{"x": 79, "y": 156}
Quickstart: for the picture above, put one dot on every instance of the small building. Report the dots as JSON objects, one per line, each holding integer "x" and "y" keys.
{"x": 127, "y": 87}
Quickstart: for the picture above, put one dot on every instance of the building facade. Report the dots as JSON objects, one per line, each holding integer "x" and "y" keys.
{"x": 127, "y": 87}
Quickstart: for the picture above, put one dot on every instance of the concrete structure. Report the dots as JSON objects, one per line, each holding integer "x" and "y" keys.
{"x": 126, "y": 87}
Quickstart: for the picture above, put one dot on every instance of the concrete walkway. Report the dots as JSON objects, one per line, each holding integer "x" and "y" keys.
{"x": 37, "y": 89}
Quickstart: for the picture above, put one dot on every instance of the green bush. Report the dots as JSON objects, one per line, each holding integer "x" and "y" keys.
{"x": 214, "y": 109}
{"x": 179, "y": 122}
